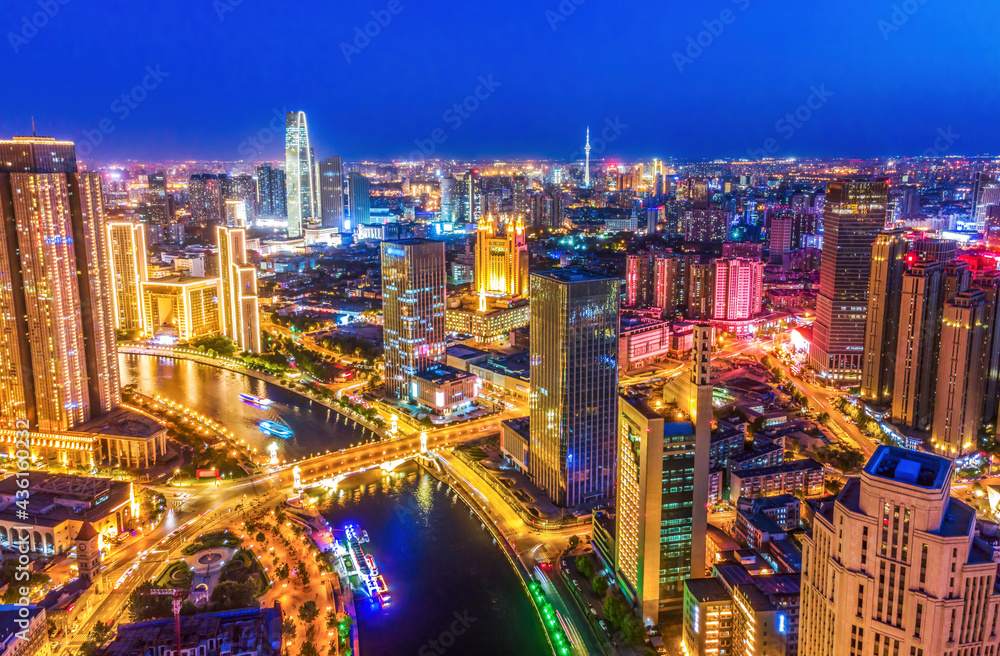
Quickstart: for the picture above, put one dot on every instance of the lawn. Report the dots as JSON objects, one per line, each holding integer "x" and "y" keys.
{"x": 213, "y": 541}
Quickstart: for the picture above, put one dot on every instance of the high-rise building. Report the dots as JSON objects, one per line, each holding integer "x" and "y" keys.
{"x": 639, "y": 280}
{"x": 739, "y": 289}
{"x": 668, "y": 283}
{"x": 896, "y": 565}
{"x": 271, "y": 193}
{"x": 878, "y": 369}
{"x": 159, "y": 200}
{"x": 853, "y": 216}
{"x": 413, "y": 308}
{"x": 471, "y": 197}
{"x": 700, "y": 286}
{"x": 299, "y": 174}
{"x": 449, "y": 199}
{"x": 182, "y": 308}
{"x": 920, "y": 307}
{"x": 205, "y": 194}
{"x": 358, "y": 200}
{"x": 662, "y": 490}
{"x": 574, "y": 384}
{"x": 238, "y": 283}
{"x": 985, "y": 192}
{"x": 501, "y": 256}
{"x": 331, "y": 191}
{"x": 706, "y": 225}
{"x": 241, "y": 188}
{"x": 58, "y": 349}
{"x": 989, "y": 283}
{"x": 520, "y": 197}
{"x": 958, "y": 402}
{"x": 128, "y": 272}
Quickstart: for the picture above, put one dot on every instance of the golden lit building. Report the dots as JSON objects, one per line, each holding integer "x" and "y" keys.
{"x": 58, "y": 355}
{"x": 238, "y": 283}
{"x": 182, "y": 308}
{"x": 128, "y": 272}
{"x": 501, "y": 257}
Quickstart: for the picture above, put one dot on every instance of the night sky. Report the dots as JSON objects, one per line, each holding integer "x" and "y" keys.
{"x": 883, "y": 77}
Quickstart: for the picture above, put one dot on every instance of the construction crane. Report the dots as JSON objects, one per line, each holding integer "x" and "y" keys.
{"x": 176, "y": 594}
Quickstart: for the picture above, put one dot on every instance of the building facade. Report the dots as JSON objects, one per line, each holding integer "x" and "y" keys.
{"x": 128, "y": 272}
{"x": 501, "y": 257}
{"x": 331, "y": 193}
{"x": 413, "y": 301}
{"x": 574, "y": 384}
{"x": 238, "y": 281}
{"x": 885, "y": 283}
{"x": 58, "y": 348}
{"x": 299, "y": 177}
{"x": 854, "y": 213}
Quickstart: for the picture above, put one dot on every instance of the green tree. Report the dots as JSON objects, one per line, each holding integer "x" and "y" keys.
{"x": 632, "y": 629}
{"x": 599, "y": 585}
{"x": 823, "y": 418}
{"x": 230, "y": 595}
{"x": 101, "y": 632}
{"x": 260, "y": 538}
{"x": 288, "y": 628}
{"x": 331, "y": 619}
{"x": 308, "y": 611}
{"x": 309, "y": 649}
{"x": 584, "y": 565}
{"x": 574, "y": 541}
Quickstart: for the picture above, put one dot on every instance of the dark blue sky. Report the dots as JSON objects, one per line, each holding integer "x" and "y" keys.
{"x": 896, "y": 78}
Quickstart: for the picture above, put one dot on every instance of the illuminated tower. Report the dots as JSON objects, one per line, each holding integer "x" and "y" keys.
{"x": 128, "y": 272}
{"x": 58, "y": 355}
{"x": 413, "y": 309}
{"x": 701, "y": 413}
{"x": 238, "y": 281}
{"x": 885, "y": 286}
{"x": 298, "y": 173}
{"x": 586, "y": 166}
{"x": 502, "y": 257}
{"x": 331, "y": 188}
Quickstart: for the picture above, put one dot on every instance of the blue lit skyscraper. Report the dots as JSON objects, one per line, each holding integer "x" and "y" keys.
{"x": 298, "y": 173}
{"x": 358, "y": 200}
{"x": 331, "y": 192}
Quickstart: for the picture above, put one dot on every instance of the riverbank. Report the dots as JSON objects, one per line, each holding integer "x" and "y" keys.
{"x": 230, "y": 364}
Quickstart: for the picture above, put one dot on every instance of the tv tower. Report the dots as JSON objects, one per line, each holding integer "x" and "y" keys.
{"x": 586, "y": 168}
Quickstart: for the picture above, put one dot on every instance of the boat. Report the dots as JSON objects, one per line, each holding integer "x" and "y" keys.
{"x": 276, "y": 429}
{"x": 256, "y": 400}
{"x": 363, "y": 564}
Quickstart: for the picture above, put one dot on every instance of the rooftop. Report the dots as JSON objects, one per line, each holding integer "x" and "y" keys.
{"x": 442, "y": 373}
{"x": 909, "y": 467}
{"x": 122, "y": 422}
{"x": 572, "y": 275}
{"x": 706, "y": 590}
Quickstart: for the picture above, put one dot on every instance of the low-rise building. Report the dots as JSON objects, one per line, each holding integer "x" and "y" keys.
{"x": 445, "y": 390}
{"x": 806, "y": 476}
{"x": 23, "y": 631}
{"x": 515, "y": 440}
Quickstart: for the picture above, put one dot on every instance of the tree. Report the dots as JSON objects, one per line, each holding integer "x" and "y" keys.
{"x": 308, "y": 611}
{"x": 282, "y": 571}
{"x": 599, "y": 585}
{"x": 101, "y": 632}
{"x": 331, "y": 619}
{"x": 823, "y": 418}
{"x": 260, "y": 537}
{"x": 288, "y": 628}
{"x": 834, "y": 486}
{"x": 230, "y": 595}
{"x": 309, "y": 649}
{"x": 574, "y": 541}
{"x": 584, "y": 565}
{"x": 632, "y": 629}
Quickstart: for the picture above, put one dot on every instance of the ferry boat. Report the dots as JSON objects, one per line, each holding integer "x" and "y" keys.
{"x": 276, "y": 429}
{"x": 256, "y": 400}
{"x": 364, "y": 564}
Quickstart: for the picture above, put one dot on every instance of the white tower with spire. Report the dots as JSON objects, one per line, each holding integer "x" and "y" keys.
{"x": 586, "y": 167}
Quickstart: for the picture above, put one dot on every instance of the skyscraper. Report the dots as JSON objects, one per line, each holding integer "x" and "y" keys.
{"x": 985, "y": 192}
{"x": 358, "y": 200}
{"x": 896, "y": 565}
{"x": 574, "y": 384}
{"x": 470, "y": 193}
{"x": 739, "y": 289}
{"x": 853, "y": 216}
{"x": 989, "y": 283}
{"x": 240, "y": 312}
{"x": 159, "y": 201}
{"x": 413, "y": 302}
{"x": 331, "y": 190}
{"x": 520, "y": 197}
{"x": 917, "y": 345}
{"x": 639, "y": 280}
{"x": 668, "y": 283}
{"x": 271, "y": 193}
{"x": 501, "y": 257}
{"x": 206, "y": 197}
{"x": 128, "y": 272}
{"x": 298, "y": 173}
{"x": 661, "y": 518}
{"x": 961, "y": 372}
{"x": 58, "y": 355}
{"x": 449, "y": 199}
{"x": 878, "y": 368}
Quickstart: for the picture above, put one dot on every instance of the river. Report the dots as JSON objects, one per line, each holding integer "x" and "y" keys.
{"x": 452, "y": 589}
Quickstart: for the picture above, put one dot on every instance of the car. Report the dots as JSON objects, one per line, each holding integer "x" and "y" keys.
{"x": 603, "y": 625}
{"x": 592, "y": 611}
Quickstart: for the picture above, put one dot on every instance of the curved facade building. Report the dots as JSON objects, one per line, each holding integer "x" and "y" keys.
{"x": 299, "y": 171}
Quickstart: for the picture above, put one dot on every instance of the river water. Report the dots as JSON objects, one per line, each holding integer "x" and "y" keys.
{"x": 452, "y": 590}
